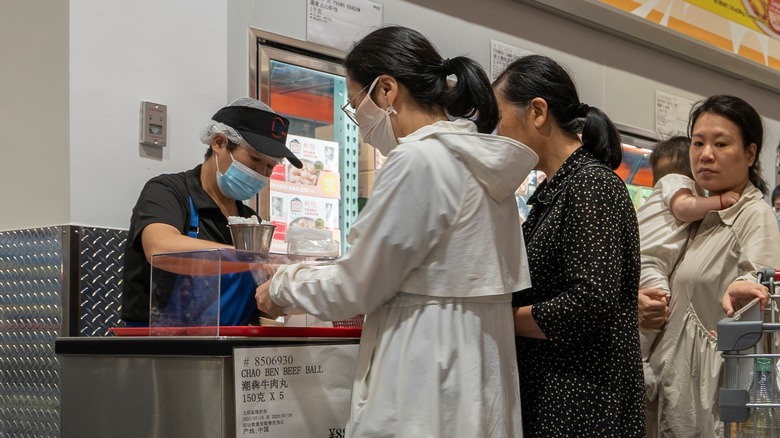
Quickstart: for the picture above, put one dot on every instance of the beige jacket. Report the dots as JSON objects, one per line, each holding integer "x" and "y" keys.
{"x": 728, "y": 245}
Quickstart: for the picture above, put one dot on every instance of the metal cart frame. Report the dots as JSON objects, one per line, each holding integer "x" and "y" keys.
{"x": 736, "y": 336}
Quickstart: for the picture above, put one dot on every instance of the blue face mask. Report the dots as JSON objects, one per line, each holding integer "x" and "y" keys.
{"x": 239, "y": 182}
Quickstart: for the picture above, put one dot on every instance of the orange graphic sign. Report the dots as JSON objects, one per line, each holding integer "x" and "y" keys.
{"x": 747, "y": 28}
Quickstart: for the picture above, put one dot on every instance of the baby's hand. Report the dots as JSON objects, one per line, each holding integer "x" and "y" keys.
{"x": 728, "y": 199}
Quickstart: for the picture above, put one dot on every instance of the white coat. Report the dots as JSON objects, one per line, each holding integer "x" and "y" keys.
{"x": 434, "y": 257}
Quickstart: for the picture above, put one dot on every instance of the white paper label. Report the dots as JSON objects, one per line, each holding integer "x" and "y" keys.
{"x": 339, "y": 23}
{"x": 293, "y": 391}
{"x": 671, "y": 114}
{"x": 501, "y": 55}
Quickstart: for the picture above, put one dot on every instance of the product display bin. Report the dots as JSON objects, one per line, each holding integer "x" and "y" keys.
{"x": 749, "y": 400}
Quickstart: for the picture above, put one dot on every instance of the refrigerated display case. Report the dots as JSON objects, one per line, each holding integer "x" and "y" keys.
{"x": 635, "y": 169}
{"x": 306, "y": 83}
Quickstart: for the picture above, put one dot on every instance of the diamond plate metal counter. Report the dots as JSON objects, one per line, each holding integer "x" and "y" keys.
{"x": 30, "y": 321}
{"x": 101, "y": 264}
{"x": 54, "y": 281}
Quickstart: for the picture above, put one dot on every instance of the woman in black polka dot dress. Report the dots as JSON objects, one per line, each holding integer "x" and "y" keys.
{"x": 578, "y": 343}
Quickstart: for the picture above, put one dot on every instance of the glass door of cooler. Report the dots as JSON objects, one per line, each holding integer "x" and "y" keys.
{"x": 306, "y": 83}
{"x": 635, "y": 169}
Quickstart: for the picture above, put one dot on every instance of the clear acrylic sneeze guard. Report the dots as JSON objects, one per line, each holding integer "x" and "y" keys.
{"x": 186, "y": 287}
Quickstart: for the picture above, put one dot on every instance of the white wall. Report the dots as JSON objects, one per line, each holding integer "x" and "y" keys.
{"x": 122, "y": 52}
{"x": 78, "y": 70}
{"x": 34, "y": 169}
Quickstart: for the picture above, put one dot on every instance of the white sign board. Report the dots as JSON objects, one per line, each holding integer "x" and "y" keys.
{"x": 671, "y": 114}
{"x": 298, "y": 391}
{"x": 501, "y": 55}
{"x": 340, "y": 23}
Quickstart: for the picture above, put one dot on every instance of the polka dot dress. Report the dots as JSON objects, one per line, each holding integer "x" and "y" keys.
{"x": 585, "y": 380}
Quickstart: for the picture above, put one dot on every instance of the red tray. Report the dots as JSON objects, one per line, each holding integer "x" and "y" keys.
{"x": 254, "y": 331}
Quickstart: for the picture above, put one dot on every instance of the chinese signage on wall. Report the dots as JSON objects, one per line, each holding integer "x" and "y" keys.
{"x": 339, "y": 23}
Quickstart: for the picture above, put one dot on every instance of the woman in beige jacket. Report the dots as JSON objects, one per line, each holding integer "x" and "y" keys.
{"x": 723, "y": 255}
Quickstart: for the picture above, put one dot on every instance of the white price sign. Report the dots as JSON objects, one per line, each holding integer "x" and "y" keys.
{"x": 293, "y": 391}
{"x": 339, "y": 23}
{"x": 671, "y": 114}
{"x": 501, "y": 55}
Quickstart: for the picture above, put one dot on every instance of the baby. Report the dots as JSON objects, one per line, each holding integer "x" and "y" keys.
{"x": 664, "y": 226}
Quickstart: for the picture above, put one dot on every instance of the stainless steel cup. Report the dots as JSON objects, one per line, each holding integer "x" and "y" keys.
{"x": 252, "y": 237}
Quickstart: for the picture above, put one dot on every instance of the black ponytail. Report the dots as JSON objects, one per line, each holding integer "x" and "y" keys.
{"x": 601, "y": 138}
{"x": 472, "y": 96}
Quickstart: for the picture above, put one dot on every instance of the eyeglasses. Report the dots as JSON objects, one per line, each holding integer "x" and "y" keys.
{"x": 349, "y": 112}
{"x": 348, "y": 107}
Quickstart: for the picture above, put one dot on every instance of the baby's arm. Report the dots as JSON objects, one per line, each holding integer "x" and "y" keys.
{"x": 688, "y": 207}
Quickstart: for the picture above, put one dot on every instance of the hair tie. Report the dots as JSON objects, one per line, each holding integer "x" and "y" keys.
{"x": 582, "y": 109}
{"x": 447, "y": 66}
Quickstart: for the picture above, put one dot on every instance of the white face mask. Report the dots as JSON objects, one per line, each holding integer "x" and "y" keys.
{"x": 374, "y": 123}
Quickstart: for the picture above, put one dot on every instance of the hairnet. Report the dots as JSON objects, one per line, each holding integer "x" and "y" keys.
{"x": 213, "y": 127}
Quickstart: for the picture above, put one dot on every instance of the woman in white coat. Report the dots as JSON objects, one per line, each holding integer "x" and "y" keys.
{"x": 435, "y": 254}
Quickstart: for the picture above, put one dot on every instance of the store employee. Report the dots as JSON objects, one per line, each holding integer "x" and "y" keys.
{"x": 188, "y": 211}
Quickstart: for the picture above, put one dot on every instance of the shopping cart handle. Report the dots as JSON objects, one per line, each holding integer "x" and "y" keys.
{"x": 768, "y": 273}
{"x": 738, "y": 335}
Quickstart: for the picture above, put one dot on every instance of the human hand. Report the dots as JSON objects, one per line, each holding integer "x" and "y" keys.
{"x": 742, "y": 292}
{"x": 264, "y": 271}
{"x": 728, "y": 199}
{"x": 264, "y": 302}
{"x": 653, "y": 306}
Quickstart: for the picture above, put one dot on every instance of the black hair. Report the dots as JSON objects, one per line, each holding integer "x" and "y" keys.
{"x": 414, "y": 62}
{"x": 535, "y": 76}
{"x": 674, "y": 154}
{"x": 230, "y": 147}
{"x": 775, "y": 194}
{"x": 746, "y": 118}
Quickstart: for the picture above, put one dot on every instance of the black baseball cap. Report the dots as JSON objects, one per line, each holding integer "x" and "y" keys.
{"x": 263, "y": 130}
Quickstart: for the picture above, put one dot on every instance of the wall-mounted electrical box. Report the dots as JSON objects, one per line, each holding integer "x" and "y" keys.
{"x": 154, "y": 124}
